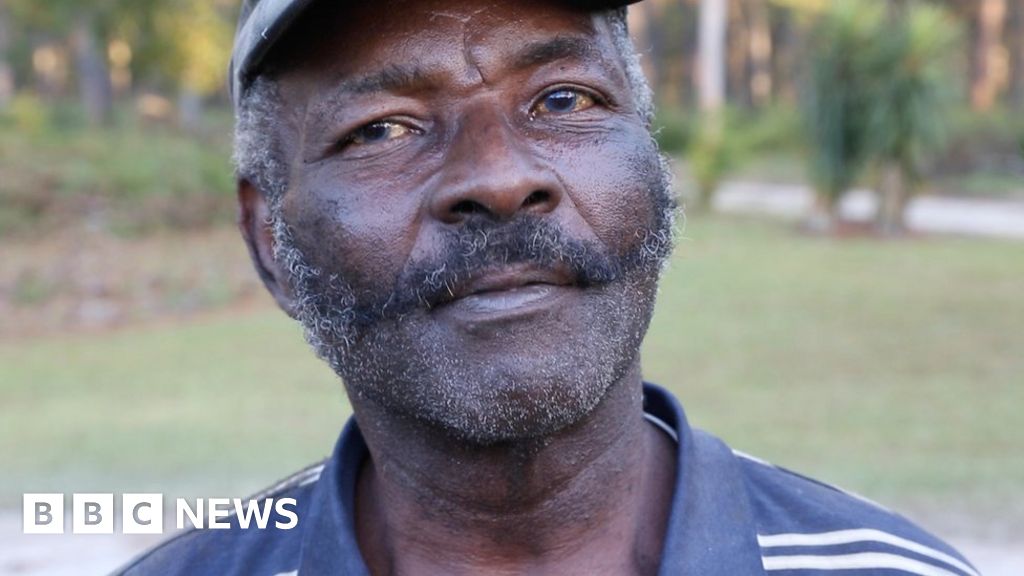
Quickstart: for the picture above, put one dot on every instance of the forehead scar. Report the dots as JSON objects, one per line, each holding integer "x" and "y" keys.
{"x": 462, "y": 18}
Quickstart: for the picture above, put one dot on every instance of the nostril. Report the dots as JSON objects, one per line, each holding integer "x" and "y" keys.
{"x": 467, "y": 207}
{"x": 538, "y": 197}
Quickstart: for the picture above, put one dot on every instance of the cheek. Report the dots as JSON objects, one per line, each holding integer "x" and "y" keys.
{"x": 609, "y": 179}
{"x": 366, "y": 235}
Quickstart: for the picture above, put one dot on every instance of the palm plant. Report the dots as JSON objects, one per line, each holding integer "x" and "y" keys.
{"x": 909, "y": 99}
{"x": 877, "y": 94}
{"x": 836, "y": 98}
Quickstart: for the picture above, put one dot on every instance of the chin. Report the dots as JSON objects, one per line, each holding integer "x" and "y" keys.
{"x": 530, "y": 383}
{"x": 523, "y": 406}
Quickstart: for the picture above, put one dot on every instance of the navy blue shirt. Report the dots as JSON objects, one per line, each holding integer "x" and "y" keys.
{"x": 732, "y": 515}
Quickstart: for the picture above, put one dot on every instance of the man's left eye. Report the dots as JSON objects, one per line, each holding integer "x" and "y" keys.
{"x": 563, "y": 101}
{"x": 376, "y": 133}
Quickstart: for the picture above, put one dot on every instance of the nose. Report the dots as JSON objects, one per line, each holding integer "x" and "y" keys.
{"x": 489, "y": 171}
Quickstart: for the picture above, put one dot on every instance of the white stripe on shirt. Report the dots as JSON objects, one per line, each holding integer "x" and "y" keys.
{"x": 860, "y": 535}
{"x": 663, "y": 425}
{"x": 862, "y": 561}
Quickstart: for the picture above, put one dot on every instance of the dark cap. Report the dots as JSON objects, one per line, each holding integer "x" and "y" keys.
{"x": 263, "y": 22}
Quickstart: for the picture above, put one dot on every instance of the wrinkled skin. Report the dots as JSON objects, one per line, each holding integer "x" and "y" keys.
{"x": 443, "y": 154}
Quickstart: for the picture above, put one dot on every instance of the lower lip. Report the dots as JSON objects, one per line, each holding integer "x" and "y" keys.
{"x": 501, "y": 304}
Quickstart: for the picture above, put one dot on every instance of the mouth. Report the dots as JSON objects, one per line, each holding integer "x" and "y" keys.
{"x": 514, "y": 290}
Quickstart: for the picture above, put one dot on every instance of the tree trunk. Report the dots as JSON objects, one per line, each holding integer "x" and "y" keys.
{"x": 989, "y": 55}
{"x": 672, "y": 50}
{"x": 785, "y": 56}
{"x": 824, "y": 215}
{"x": 6, "y": 72}
{"x": 714, "y": 17}
{"x": 893, "y": 198}
{"x": 1015, "y": 44}
{"x": 93, "y": 77}
{"x": 760, "y": 53}
{"x": 738, "y": 56}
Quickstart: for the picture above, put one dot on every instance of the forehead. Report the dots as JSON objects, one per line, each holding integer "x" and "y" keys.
{"x": 336, "y": 40}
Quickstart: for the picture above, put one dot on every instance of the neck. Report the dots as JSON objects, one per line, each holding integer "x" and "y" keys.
{"x": 592, "y": 495}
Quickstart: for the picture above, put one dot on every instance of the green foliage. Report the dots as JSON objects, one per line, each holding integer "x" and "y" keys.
{"x": 877, "y": 90}
{"x": 175, "y": 43}
{"x": 31, "y": 289}
{"x": 198, "y": 36}
{"x": 712, "y": 150}
{"x": 768, "y": 131}
{"x": 836, "y": 98}
{"x": 130, "y": 178}
{"x": 26, "y": 114}
{"x": 992, "y": 143}
{"x": 674, "y": 129}
{"x": 910, "y": 95}
{"x": 712, "y": 154}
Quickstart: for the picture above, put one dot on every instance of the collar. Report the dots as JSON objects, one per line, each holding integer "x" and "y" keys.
{"x": 711, "y": 527}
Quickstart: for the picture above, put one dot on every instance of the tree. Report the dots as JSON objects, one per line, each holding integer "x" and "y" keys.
{"x": 908, "y": 103}
{"x": 176, "y": 45}
{"x": 708, "y": 154}
{"x": 197, "y": 38}
{"x": 81, "y": 22}
{"x": 6, "y": 71}
{"x": 93, "y": 74}
{"x": 1015, "y": 44}
{"x": 989, "y": 57}
{"x": 835, "y": 101}
{"x": 877, "y": 95}
{"x": 714, "y": 17}
{"x": 760, "y": 53}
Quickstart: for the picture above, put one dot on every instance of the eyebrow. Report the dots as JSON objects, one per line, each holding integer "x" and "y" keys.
{"x": 554, "y": 49}
{"x": 394, "y": 78}
{"x": 406, "y": 78}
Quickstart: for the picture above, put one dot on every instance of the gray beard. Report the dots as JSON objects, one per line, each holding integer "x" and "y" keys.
{"x": 388, "y": 351}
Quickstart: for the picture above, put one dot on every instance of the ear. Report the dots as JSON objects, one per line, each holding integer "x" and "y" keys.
{"x": 254, "y": 223}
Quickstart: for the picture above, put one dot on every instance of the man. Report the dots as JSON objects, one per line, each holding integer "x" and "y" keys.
{"x": 461, "y": 202}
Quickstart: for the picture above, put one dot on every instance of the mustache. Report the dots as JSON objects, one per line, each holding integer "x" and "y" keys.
{"x": 485, "y": 245}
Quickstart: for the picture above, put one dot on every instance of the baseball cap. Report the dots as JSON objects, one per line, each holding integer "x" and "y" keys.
{"x": 262, "y": 23}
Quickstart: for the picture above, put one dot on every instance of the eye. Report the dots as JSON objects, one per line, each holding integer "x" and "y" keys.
{"x": 376, "y": 133}
{"x": 563, "y": 101}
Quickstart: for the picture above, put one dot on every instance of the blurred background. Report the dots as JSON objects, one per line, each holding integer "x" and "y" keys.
{"x": 846, "y": 299}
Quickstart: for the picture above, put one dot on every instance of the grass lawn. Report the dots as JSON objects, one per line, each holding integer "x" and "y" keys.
{"x": 892, "y": 368}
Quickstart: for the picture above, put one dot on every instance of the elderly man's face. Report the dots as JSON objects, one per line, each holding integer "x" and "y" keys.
{"x": 481, "y": 206}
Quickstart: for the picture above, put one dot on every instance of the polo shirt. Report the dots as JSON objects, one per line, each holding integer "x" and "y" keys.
{"x": 731, "y": 515}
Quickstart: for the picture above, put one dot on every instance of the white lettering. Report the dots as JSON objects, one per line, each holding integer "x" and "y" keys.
{"x": 253, "y": 510}
{"x": 182, "y": 509}
{"x": 281, "y": 507}
{"x": 218, "y": 509}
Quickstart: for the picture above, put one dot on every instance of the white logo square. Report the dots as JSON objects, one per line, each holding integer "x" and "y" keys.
{"x": 42, "y": 513}
{"x": 142, "y": 513}
{"x": 92, "y": 514}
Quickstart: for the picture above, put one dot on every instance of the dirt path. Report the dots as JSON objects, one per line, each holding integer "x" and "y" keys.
{"x": 929, "y": 214}
{"x": 81, "y": 555}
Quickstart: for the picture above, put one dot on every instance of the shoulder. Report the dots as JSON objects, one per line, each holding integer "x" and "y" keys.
{"x": 804, "y": 524}
{"x": 253, "y": 543}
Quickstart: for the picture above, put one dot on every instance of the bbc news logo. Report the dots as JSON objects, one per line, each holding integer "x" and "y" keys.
{"x": 144, "y": 513}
